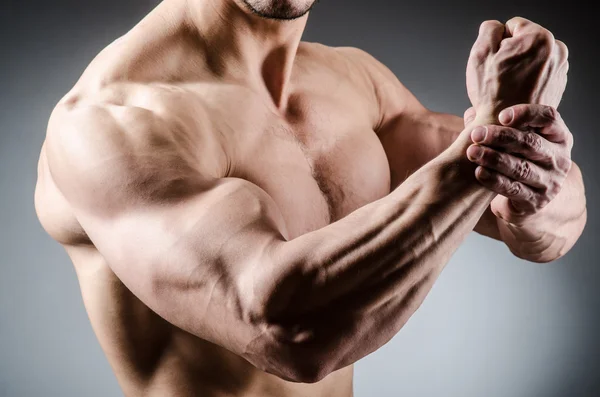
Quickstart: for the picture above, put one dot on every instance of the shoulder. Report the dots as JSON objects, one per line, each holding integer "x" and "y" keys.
{"x": 79, "y": 128}
{"x": 338, "y": 57}
{"x": 110, "y": 156}
{"x": 339, "y": 53}
{"x": 374, "y": 68}
{"x": 373, "y": 79}
{"x": 393, "y": 97}
{"x": 351, "y": 59}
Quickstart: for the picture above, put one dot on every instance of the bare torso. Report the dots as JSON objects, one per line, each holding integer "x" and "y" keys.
{"x": 163, "y": 142}
{"x": 319, "y": 161}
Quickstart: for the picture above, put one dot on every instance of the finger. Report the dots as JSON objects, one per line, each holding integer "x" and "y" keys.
{"x": 510, "y": 211}
{"x": 510, "y": 44}
{"x": 515, "y": 25}
{"x": 528, "y": 115}
{"x": 515, "y": 168}
{"x": 546, "y": 118}
{"x": 518, "y": 26}
{"x": 491, "y": 33}
{"x": 510, "y": 140}
{"x": 524, "y": 28}
{"x": 504, "y": 186}
{"x": 469, "y": 115}
{"x": 488, "y": 40}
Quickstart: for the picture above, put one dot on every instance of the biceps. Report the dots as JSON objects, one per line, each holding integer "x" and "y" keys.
{"x": 179, "y": 238}
{"x": 187, "y": 261}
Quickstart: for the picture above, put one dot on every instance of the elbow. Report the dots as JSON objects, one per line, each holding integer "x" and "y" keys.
{"x": 291, "y": 355}
{"x": 299, "y": 367}
{"x": 288, "y": 349}
{"x": 311, "y": 373}
{"x": 287, "y": 346}
{"x": 299, "y": 364}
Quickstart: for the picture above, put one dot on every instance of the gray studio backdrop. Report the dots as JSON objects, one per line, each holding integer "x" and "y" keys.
{"x": 492, "y": 326}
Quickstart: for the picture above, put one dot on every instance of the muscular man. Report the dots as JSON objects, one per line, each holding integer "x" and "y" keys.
{"x": 249, "y": 214}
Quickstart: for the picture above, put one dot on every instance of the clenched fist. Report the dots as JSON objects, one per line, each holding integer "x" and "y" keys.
{"x": 516, "y": 76}
{"x": 516, "y": 63}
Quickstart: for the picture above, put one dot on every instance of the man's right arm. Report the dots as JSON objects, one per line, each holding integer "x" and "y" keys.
{"x": 210, "y": 255}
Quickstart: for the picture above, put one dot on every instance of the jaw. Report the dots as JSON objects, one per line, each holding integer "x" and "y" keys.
{"x": 280, "y": 10}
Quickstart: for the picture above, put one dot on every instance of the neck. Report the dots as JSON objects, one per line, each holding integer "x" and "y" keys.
{"x": 245, "y": 46}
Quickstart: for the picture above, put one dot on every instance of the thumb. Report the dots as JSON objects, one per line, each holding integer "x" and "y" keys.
{"x": 469, "y": 115}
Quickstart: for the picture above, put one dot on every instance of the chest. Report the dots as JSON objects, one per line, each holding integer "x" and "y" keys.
{"x": 319, "y": 163}
{"x": 319, "y": 158}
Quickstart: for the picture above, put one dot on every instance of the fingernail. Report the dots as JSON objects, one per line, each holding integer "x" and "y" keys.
{"x": 506, "y": 116}
{"x": 478, "y": 134}
{"x": 474, "y": 152}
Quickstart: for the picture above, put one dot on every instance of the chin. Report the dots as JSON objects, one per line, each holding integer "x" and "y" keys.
{"x": 280, "y": 9}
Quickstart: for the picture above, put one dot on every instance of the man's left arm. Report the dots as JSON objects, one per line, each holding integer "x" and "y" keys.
{"x": 540, "y": 210}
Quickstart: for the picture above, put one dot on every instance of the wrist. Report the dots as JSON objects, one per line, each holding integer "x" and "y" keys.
{"x": 464, "y": 140}
{"x": 486, "y": 114}
{"x": 455, "y": 158}
{"x": 485, "y": 119}
{"x": 456, "y": 154}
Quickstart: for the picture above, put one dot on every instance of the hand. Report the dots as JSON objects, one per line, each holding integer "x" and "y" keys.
{"x": 517, "y": 63}
{"x": 525, "y": 160}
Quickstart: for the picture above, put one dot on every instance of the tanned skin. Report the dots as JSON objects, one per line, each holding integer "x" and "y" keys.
{"x": 249, "y": 215}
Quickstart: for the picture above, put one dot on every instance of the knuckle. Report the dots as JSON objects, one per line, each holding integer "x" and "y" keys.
{"x": 510, "y": 45}
{"x": 513, "y": 189}
{"x": 489, "y": 25}
{"x": 563, "y": 164}
{"x": 555, "y": 189}
{"x": 486, "y": 25}
{"x": 544, "y": 37}
{"x": 564, "y": 50}
{"x": 503, "y": 136}
{"x": 522, "y": 170}
{"x": 550, "y": 113}
{"x": 570, "y": 139}
{"x": 552, "y": 189}
{"x": 519, "y": 22}
{"x": 528, "y": 41}
{"x": 498, "y": 184}
{"x": 525, "y": 206}
{"x": 479, "y": 51}
{"x": 542, "y": 202}
{"x": 568, "y": 164}
{"x": 492, "y": 157}
{"x": 532, "y": 141}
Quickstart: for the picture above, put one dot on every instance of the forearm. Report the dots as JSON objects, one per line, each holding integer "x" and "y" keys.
{"x": 348, "y": 288}
{"x": 553, "y": 231}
